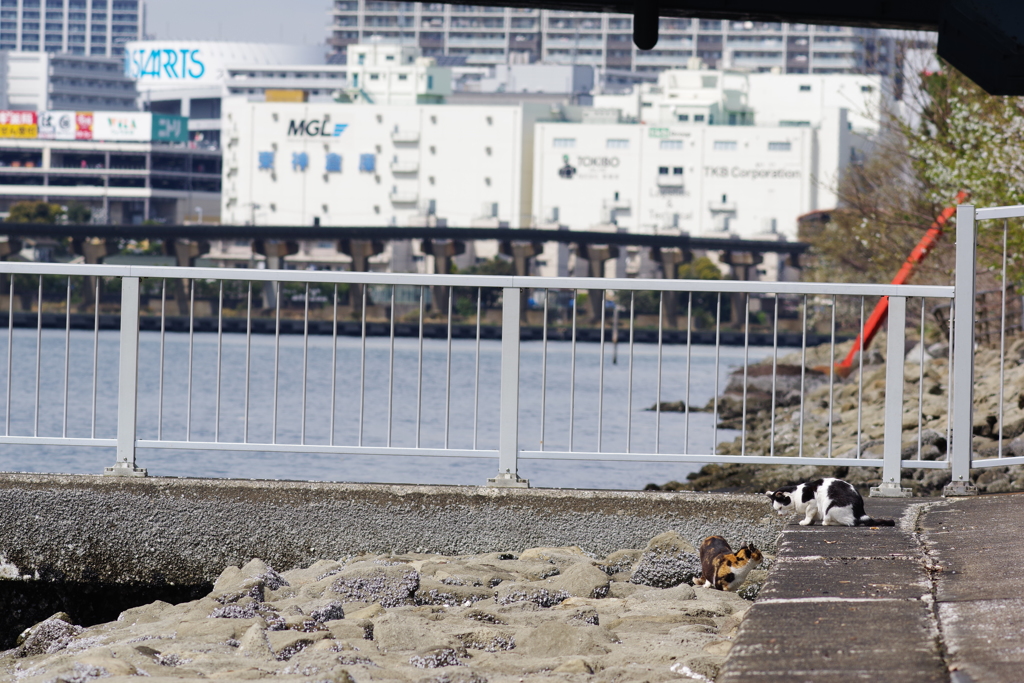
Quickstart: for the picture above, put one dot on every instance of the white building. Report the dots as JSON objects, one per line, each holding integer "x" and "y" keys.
{"x": 39, "y": 81}
{"x": 81, "y": 27}
{"x": 379, "y": 73}
{"x": 345, "y": 164}
{"x": 498, "y": 35}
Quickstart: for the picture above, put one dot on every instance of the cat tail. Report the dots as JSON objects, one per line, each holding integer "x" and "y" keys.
{"x": 864, "y": 520}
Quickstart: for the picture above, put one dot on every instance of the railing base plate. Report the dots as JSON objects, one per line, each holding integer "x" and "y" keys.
{"x": 959, "y": 488}
{"x": 889, "y": 491}
{"x": 124, "y": 471}
{"x": 507, "y": 480}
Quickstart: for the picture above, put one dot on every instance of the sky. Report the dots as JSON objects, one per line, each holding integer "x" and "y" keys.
{"x": 302, "y": 22}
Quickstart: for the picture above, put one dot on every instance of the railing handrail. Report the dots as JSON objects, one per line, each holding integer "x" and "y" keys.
{"x": 497, "y": 281}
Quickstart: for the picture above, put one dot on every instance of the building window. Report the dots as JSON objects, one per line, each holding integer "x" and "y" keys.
{"x": 780, "y": 146}
{"x": 615, "y": 143}
{"x": 698, "y": 118}
{"x": 866, "y": 88}
{"x": 725, "y": 145}
{"x": 677, "y": 170}
{"x": 367, "y": 163}
{"x": 333, "y": 164}
{"x": 266, "y": 161}
{"x": 670, "y": 144}
{"x": 683, "y": 117}
{"x": 565, "y": 143}
{"x": 805, "y": 88}
{"x": 300, "y": 161}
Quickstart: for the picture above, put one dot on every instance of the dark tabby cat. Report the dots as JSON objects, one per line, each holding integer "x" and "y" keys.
{"x": 833, "y": 501}
{"x": 723, "y": 569}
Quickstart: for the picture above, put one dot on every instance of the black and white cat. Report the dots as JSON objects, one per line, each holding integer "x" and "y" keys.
{"x": 833, "y": 501}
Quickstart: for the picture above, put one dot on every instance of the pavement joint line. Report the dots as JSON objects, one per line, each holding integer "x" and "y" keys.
{"x": 784, "y": 601}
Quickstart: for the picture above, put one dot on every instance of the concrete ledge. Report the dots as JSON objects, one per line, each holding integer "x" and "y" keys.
{"x": 167, "y": 531}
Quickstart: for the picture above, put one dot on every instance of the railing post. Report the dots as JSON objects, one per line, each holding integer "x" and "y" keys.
{"x": 508, "y": 428}
{"x": 962, "y": 372}
{"x": 128, "y": 384}
{"x": 892, "y": 448}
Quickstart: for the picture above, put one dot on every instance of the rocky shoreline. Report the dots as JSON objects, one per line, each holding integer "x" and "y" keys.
{"x": 422, "y": 618}
{"x": 841, "y": 401}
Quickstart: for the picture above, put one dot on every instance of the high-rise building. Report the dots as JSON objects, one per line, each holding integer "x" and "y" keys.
{"x": 81, "y": 27}
{"x": 501, "y": 35}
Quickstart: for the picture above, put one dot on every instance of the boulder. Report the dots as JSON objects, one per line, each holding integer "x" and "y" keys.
{"x": 668, "y": 560}
{"x": 556, "y": 639}
{"x": 582, "y": 580}
{"x": 388, "y": 585}
{"x": 48, "y": 636}
{"x": 533, "y": 592}
{"x": 433, "y": 592}
{"x": 406, "y": 633}
{"x": 619, "y": 561}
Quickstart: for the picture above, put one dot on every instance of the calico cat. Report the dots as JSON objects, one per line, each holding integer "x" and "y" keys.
{"x": 833, "y": 501}
{"x": 723, "y": 569}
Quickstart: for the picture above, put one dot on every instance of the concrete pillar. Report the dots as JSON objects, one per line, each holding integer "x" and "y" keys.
{"x": 596, "y": 255}
{"x": 521, "y": 253}
{"x": 360, "y": 251}
{"x": 275, "y": 251}
{"x": 8, "y": 248}
{"x": 93, "y": 250}
{"x": 443, "y": 251}
{"x": 742, "y": 266}
{"x": 670, "y": 259}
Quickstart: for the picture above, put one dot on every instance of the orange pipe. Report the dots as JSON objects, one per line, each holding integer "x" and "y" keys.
{"x": 878, "y": 316}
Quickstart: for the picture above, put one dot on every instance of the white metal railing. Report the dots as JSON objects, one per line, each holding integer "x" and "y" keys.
{"x": 509, "y": 446}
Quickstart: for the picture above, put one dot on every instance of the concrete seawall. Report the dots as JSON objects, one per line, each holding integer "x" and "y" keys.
{"x": 171, "y": 537}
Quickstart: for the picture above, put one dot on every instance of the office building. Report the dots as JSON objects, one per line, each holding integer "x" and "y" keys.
{"x": 81, "y": 27}
{"x": 499, "y": 35}
{"x": 41, "y": 81}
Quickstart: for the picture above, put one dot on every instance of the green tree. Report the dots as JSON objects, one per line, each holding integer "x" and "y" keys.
{"x": 34, "y": 212}
{"x": 78, "y": 213}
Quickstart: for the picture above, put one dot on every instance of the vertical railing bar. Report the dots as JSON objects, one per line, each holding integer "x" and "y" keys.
{"x": 10, "y": 363}
{"x": 746, "y": 362}
{"x": 362, "y": 366}
{"x": 191, "y": 339}
{"x": 1002, "y": 344}
{"x": 39, "y": 352}
{"x": 160, "y": 381}
{"x": 803, "y": 379}
{"x": 831, "y": 375}
{"x": 220, "y": 345}
{"x": 920, "y": 389}
{"x": 448, "y": 369}
{"x": 949, "y": 383}
{"x": 476, "y": 373}
{"x": 629, "y": 389}
{"x": 860, "y": 378}
{"x": 334, "y": 362}
{"x": 689, "y": 347}
{"x": 96, "y": 354}
{"x": 543, "y": 369}
{"x": 657, "y": 401}
{"x": 276, "y": 288}
{"x": 248, "y": 351}
{"x": 775, "y": 367}
{"x": 67, "y": 357}
{"x": 572, "y": 370}
{"x": 600, "y": 387}
{"x": 718, "y": 355}
{"x": 305, "y": 364}
{"x": 419, "y": 371}
{"x": 391, "y": 363}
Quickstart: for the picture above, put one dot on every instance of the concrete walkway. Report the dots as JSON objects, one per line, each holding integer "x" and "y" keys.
{"x": 940, "y": 597}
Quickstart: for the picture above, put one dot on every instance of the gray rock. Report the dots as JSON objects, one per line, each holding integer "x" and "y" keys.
{"x": 535, "y": 593}
{"x": 433, "y": 592}
{"x": 406, "y": 633}
{"x": 668, "y": 560}
{"x": 48, "y": 636}
{"x": 436, "y": 657}
{"x": 581, "y": 580}
{"x": 554, "y": 639}
{"x": 388, "y": 585}
{"x": 457, "y": 676}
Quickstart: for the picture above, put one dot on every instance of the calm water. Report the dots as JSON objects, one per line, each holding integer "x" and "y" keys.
{"x": 177, "y": 421}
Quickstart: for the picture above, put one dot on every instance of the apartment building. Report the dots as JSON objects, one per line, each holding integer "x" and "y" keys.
{"x": 510, "y": 35}
{"x": 81, "y": 27}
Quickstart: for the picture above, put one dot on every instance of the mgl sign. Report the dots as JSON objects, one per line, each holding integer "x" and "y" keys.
{"x": 316, "y": 128}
